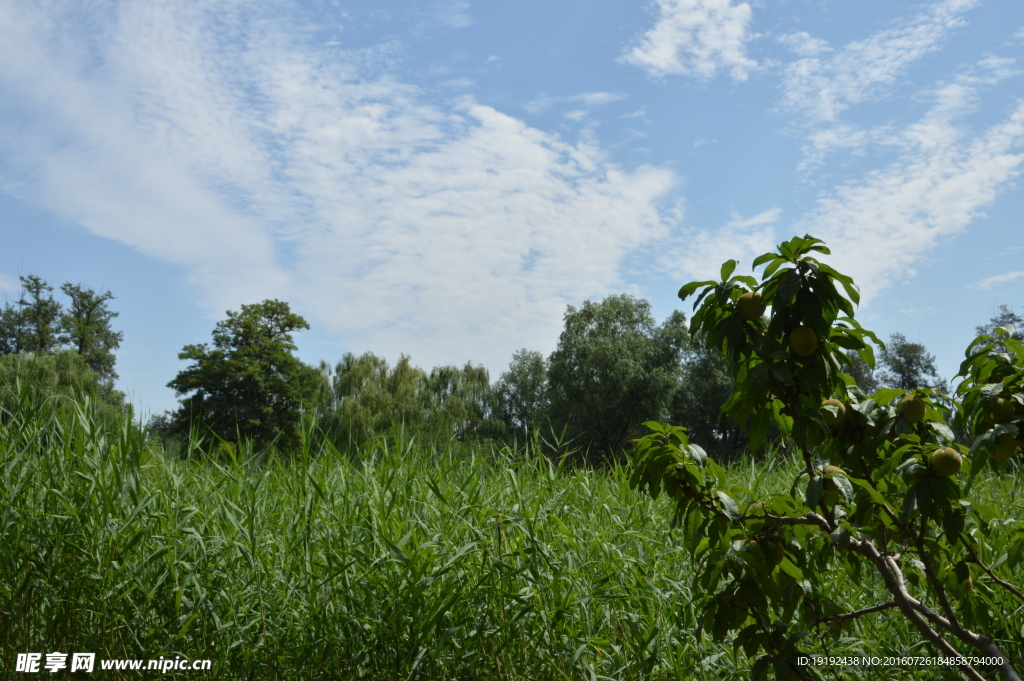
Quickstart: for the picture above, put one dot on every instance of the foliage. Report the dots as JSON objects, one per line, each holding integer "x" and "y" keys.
{"x": 249, "y": 385}
{"x": 38, "y": 324}
{"x": 521, "y": 393}
{"x": 408, "y": 562}
{"x": 705, "y": 384}
{"x": 908, "y": 365}
{"x": 86, "y": 325}
{"x": 862, "y": 373}
{"x": 612, "y": 370}
{"x": 462, "y": 401}
{"x": 60, "y": 377}
{"x": 39, "y": 317}
{"x": 1004, "y": 317}
{"x": 368, "y": 398}
{"x": 868, "y": 502}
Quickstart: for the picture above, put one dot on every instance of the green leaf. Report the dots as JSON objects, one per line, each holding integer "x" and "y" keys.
{"x": 728, "y": 267}
{"x": 759, "y": 672}
{"x": 845, "y": 488}
{"x": 815, "y": 488}
{"x": 687, "y": 290}
{"x": 943, "y": 431}
{"x": 791, "y": 569}
{"x": 728, "y": 505}
{"x": 841, "y": 536}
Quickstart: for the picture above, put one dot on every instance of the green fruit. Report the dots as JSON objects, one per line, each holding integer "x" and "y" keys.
{"x": 815, "y": 437}
{"x": 831, "y": 419}
{"x": 912, "y": 408}
{"x": 1006, "y": 447}
{"x": 803, "y": 341}
{"x": 1002, "y": 411}
{"x": 830, "y": 485}
{"x": 750, "y": 305}
{"x": 946, "y": 462}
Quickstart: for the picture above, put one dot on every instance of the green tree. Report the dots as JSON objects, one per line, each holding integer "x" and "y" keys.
{"x": 367, "y": 397}
{"x": 86, "y": 326}
{"x": 31, "y": 379}
{"x": 39, "y": 317}
{"x": 521, "y": 392}
{"x": 907, "y": 365}
{"x": 705, "y": 385}
{"x": 613, "y": 369}
{"x": 861, "y": 372}
{"x": 248, "y": 386}
{"x": 11, "y": 330}
{"x": 461, "y": 402}
{"x": 878, "y": 497}
{"x": 1004, "y": 317}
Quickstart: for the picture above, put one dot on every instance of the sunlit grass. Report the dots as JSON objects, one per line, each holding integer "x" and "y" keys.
{"x": 412, "y": 561}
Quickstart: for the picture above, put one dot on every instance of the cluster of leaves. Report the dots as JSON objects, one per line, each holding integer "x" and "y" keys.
{"x": 872, "y": 499}
{"x": 367, "y": 397}
{"x": 38, "y": 324}
{"x": 249, "y": 385}
{"x": 773, "y": 383}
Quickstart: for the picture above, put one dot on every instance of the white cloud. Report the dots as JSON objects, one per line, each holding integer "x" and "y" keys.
{"x": 587, "y": 99}
{"x": 9, "y": 287}
{"x": 880, "y": 226}
{"x": 988, "y": 283}
{"x": 216, "y": 138}
{"x": 695, "y": 38}
{"x": 698, "y": 253}
{"x": 803, "y": 44}
{"x": 823, "y": 88}
{"x": 952, "y": 100}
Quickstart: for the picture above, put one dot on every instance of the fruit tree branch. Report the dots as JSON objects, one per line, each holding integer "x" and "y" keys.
{"x": 856, "y": 613}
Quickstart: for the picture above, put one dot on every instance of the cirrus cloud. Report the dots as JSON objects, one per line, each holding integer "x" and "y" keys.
{"x": 695, "y": 38}
{"x": 216, "y": 137}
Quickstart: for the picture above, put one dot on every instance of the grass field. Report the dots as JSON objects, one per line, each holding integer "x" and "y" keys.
{"x": 412, "y": 562}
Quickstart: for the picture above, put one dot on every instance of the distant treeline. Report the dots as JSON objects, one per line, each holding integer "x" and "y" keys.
{"x": 614, "y": 367}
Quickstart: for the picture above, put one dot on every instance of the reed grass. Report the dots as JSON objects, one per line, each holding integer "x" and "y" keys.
{"x": 411, "y": 561}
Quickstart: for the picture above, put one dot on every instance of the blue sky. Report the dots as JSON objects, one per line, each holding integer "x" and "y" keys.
{"x": 442, "y": 178}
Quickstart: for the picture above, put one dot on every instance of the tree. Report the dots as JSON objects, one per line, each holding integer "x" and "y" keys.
{"x": 861, "y": 372}
{"x": 39, "y": 317}
{"x": 877, "y": 492}
{"x": 613, "y": 369}
{"x": 11, "y": 330}
{"x": 521, "y": 392}
{"x": 461, "y": 401}
{"x": 367, "y": 397}
{"x": 86, "y": 325}
{"x": 705, "y": 384}
{"x": 248, "y": 386}
{"x": 1004, "y": 317}
{"x": 907, "y": 365}
{"x": 31, "y": 379}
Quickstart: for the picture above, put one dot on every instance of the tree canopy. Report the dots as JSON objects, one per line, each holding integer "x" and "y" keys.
{"x": 249, "y": 385}
{"x": 613, "y": 369}
{"x": 521, "y": 392}
{"x": 39, "y": 324}
{"x": 907, "y": 365}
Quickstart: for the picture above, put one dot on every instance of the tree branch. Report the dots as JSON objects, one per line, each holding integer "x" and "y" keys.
{"x": 807, "y": 519}
{"x": 893, "y": 578}
{"x": 855, "y": 614}
{"x": 1006, "y": 585}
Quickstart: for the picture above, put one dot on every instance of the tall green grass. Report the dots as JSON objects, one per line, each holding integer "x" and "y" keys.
{"x": 412, "y": 561}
